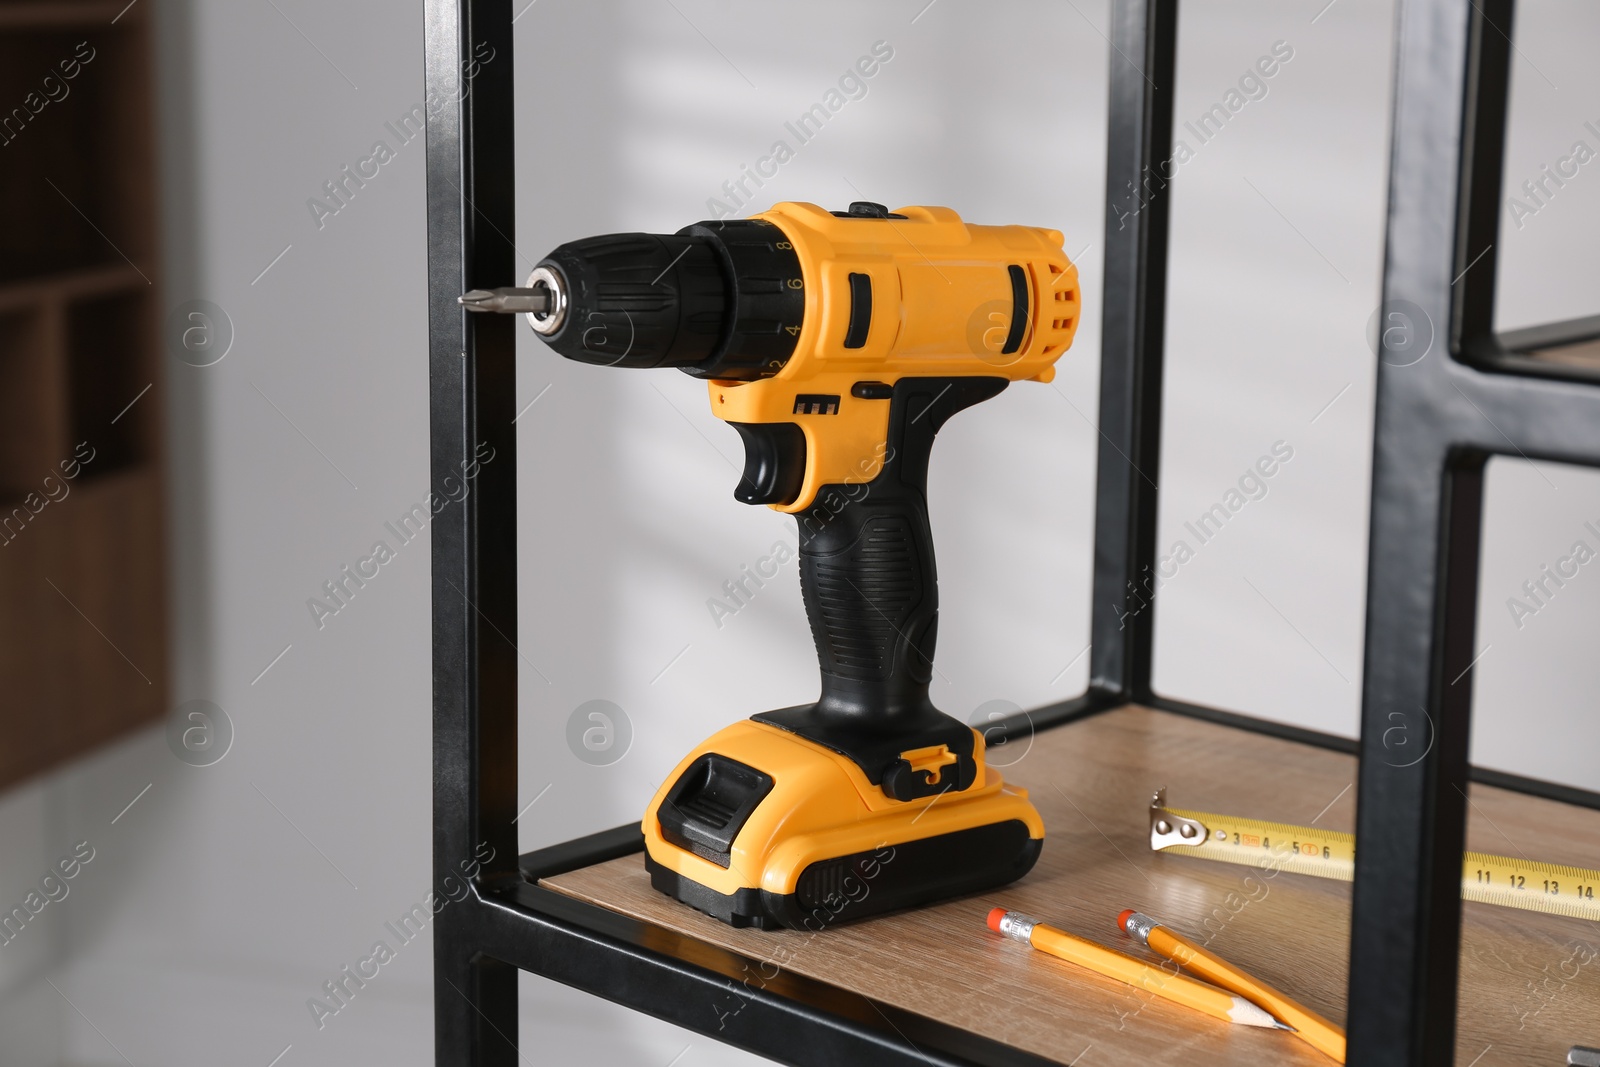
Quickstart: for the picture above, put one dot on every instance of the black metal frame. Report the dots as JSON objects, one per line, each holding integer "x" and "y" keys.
{"x": 1438, "y": 421}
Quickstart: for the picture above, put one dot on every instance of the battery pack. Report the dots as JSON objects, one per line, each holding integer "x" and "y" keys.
{"x": 760, "y": 827}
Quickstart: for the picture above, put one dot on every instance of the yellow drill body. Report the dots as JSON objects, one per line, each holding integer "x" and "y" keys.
{"x": 941, "y": 306}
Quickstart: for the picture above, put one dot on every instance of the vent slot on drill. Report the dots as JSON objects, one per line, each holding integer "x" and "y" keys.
{"x": 1019, "y": 309}
{"x": 710, "y": 804}
{"x": 855, "y": 335}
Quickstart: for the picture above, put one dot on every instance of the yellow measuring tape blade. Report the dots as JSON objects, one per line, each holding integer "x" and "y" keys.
{"x": 1510, "y": 883}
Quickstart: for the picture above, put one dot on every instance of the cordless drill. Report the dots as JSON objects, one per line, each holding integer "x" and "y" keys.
{"x": 836, "y": 344}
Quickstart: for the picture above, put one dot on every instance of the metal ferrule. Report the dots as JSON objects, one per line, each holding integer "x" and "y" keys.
{"x": 1017, "y": 926}
{"x": 1139, "y": 925}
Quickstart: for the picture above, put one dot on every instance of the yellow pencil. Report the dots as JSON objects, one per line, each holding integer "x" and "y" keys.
{"x": 1312, "y": 1028}
{"x": 1113, "y": 964}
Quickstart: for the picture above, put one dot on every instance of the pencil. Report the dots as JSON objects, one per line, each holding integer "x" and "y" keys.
{"x": 1311, "y": 1028}
{"x": 1113, "y": 964}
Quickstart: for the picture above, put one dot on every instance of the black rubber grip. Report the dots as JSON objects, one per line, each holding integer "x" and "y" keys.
{"x": 871, "y": 595}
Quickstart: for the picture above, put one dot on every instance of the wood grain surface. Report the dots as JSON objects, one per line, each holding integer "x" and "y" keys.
{"x": 1530, "y": 983}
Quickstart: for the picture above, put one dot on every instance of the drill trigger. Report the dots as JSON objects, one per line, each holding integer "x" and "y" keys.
{"x": 774, "y": 462}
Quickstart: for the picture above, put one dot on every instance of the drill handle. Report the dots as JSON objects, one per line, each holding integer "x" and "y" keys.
{"x": 867, "y": 570}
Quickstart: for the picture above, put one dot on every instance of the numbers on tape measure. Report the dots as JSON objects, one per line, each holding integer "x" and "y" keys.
{"x": 1519, "y": 882}
{"x": 1513, "y": 881}
{"x": 1516, "y": 883}
{"x": 1309, "y": 850}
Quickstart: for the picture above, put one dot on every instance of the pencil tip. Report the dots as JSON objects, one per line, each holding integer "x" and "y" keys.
{"x": 1253, "y": 1015}
{"x": 1278, "y": 1024}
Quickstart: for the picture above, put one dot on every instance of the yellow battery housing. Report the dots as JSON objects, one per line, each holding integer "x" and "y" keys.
{"x": 822, "y": 844}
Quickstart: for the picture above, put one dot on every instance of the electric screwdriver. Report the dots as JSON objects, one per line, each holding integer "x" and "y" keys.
{"x": 836, "y": 344}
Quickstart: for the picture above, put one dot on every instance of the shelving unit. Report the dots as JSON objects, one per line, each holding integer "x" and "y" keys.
{"x": 1091, "y": 778}
{"x": 576, "y": 913}
{"x": 82, "y": 571}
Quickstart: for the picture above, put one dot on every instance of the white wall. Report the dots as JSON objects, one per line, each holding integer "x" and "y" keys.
{"x": 226, "y": 895}
{"x": 628, "y": 478}
{"x": 1277, "y": 243}
{"x": 1536, "y": 678}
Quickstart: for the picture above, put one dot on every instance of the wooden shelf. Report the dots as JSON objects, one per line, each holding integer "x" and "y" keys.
{"x": 68, "y": 14}
{"x": 91, "y": 657}
{"x": 76, "y": 284}
{"x": 1571, "y": 343}
{"x": 1585, "y": 354}
{"x": 1092, "y": 782}
{"x": 82, "y": 555}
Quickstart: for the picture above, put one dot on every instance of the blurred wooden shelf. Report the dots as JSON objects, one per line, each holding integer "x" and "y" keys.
{"x": 68, "y": 14}
{"x": 83, "y": 643}
{"x": 1092, "y": 781}
{"x": 1585, "y": 354}
{"x": 1571, "y": 343}
{"x": 78, "y": 284}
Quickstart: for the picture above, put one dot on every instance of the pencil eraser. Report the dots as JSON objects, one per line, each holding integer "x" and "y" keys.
{"x": 1122, "y": 920}
{"x": 995, "y": 915}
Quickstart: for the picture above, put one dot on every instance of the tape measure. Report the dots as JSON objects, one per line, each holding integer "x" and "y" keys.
{"x": 1510, "y": 883}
